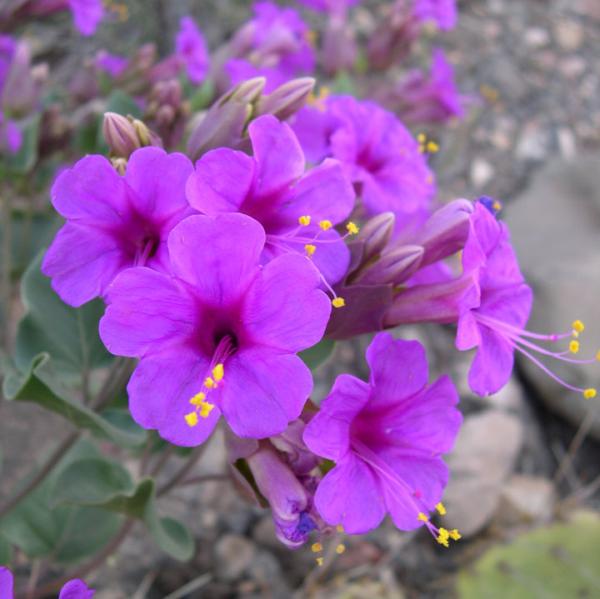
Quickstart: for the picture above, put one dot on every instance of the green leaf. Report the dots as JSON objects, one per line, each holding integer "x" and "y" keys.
{"x": 69, "y": 335}
{"x": 67, "y": 533}
{"x": 553, "y": 562}
{"x": 123, "y": 103}
{"x": 100, "y": 483}
{"x": 201, "y": 97}
{"x": 5, "y": 552}
{"x": 24, "y": 160}
{"x": 40, "y": 385}
{"x": 318, "y": 354}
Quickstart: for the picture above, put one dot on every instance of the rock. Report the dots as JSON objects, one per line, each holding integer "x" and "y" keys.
{"x": 536, "y": 37}
{"x": 481, "y": 172}
{"x": 532, "y": 144}
{"x": 529, "y": 498}
{"x": 234, "y": 555}
{"x": 554, "y": 226}
{"x": 483, "y": 458}
{"x": 569, "y": 35}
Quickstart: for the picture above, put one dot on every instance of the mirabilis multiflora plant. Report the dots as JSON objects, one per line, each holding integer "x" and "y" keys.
{"x": 221, "y": 254}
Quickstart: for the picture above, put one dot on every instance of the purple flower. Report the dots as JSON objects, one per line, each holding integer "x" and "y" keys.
{"x": 87, "y": 14}
{"x": 8, "y": 47}
{"x": 386, "y": 438}
{"x": 379, "y": 154}
{"x": 114, "y": 222}
{"x": 112, "y": 64}
{"x": 11, "y": 137}
{"x": 273, "y": 188}
{"x": 495, "y": 325}
{"x": 275, "y": 45}
{"x": 219, "y": 335}
{"x": 329, "y": 6}
{"x": 442, "y": 12}
{"x": 191, "y": 48}
{"x": 433, "y": 99}
{"x": 76, "y": 589}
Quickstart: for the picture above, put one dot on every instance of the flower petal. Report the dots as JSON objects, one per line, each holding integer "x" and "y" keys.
{"x": 146, "y": 311}
{"x": 328, "y": 433}
{"x": 398, "y": 369}
{"x": 350, "y": 495}
{"x": 263, "y": 391}
{"x": 82, "y": 262}
{"x": 278, "y": 155}
{"x": 159, "y": 181}
{"x": 160, "y": 391}
{"x": 221, "y": 182}
{"x": 76, "y": 589}
{"x": 284, "y": 307}
{"x": 91, "y": 192}
{"x": 218, "y": 255}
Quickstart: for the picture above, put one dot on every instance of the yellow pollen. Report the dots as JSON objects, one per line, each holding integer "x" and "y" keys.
{"x": 340, "y": 549}
{"x": 575, "y": 334}
{"x": 598, "y": 356}
{"x": 191, "y": 419}
{"x": 325, "y": 225}
{"x": 574, "y": 346}
{"x": 338, "y": 302}
{"x": 206, "y": 408}
{"x": 454, "y": 534}
{"x": 590, "y": 393}
{"x": 198, "y": 399}
{"x": 316, "y": 547}
{"x": 209, "y": 383}
{"x": 422, "y": 517}
{"x": 497, "y": 206}
{"x": 441, "y": 509}
{"x": 218, "y": 372}
{"x": 352, "y": 228}
{"x": 339, "y": 528}
{"x": 319, "y": 561}
{"x": 304, "y": 220}
{"x": 443, "y": 537}
{"x": 578, "y": 326}
{"x": 310, "y": 249}
{"x": 421, "y": 138}
{"x": 432, "y": 147}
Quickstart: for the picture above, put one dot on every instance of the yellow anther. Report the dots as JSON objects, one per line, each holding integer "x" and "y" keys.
{"x": 422, "y": 517}
{"x": 590, "y": 393}
{"x": 338, "y": 302}
{"x": 218, "y": 372}
{"x": 454, "y": 534}
{"x": 443, "y": 537}
{"x": 198, "y": 399}
{"x": 575, "y": 334}
{"x": 598, "y": 356}
{"x": 206, "y": 408}
{"x": 574, "y": 346}
{"x": 421, "y": 138}
{"x": 191, "y": 419}
{"x": 497, "y": 206}
{"x": 441, "y": 509}
{"x": 432, "y": 147}
{"x": 340, "y": 528}
{"x": 325, "y": 225}
{"x": 209, "y": 383}
{"x": 310, "y": 249}
{"x": 340, "y": 549}
{"x": 316, "y": 547}
{"x": 578, "y": 326}
{"x": 352, "y": 228}
{"x": 319, "y": 561}
{"x": 304, "y": 220}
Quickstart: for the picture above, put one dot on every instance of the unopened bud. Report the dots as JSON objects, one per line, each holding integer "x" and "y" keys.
{"x": 120, "y": 135}
{"x": 394, "y": 266}
{"x": 375, "y": 234}
{"x": 246, "y": 92}
{"x": 287, "y": 99}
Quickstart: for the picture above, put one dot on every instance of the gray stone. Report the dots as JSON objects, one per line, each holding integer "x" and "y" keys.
{"x": 527, "y": 498}
{"x": 569, "y": 35}
{"x": 234, "y": 555}
{"x": 555, "y": 229}
{"x": 483, "y": 458}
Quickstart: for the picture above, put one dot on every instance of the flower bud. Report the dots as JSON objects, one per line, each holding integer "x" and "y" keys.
{"x": 287, "y": 99}
{"x": 375, "y": 234}
{"x": 120, "y": 135}
{"x": 395, "y": 266}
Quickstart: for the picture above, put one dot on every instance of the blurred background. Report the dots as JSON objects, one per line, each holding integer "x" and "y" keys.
{"x": 526, "y": 458}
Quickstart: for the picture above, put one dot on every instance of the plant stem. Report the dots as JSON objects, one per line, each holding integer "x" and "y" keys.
{"x": 54, "y": 459}
{"x": 6, "y": 272}
{"x": 83, "y": 570}
{"x": 181, "y": 474}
